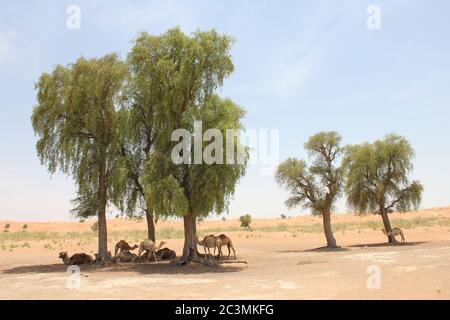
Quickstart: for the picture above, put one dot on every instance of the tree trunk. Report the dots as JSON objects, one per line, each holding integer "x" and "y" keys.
{"x": 102, "y": 230}
{"x": 387, "y": 225}
{"x": 190, "y": 239}
{"x": 150, "y": 226}
{"x": 331, "y": 241}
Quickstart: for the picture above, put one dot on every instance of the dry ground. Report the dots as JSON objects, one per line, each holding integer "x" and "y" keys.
{"x": 282, "y": 255}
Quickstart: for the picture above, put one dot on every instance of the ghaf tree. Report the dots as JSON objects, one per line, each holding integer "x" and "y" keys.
{"x": 76, "y": 124}
{"x": 378, "y": 178}
{"x": 315, "y": 187}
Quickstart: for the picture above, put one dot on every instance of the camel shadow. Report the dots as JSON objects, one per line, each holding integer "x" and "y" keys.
{"x": 163, "y": 267}
{"x": 386, "y": 244}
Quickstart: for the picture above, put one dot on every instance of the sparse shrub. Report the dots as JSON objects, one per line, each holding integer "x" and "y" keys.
{"x": 245, "y": 220}
{"x": 82, "y": 220}
{"x": 224, "y": 219}
{"x": 94, "y": 227}
{"x": 283, "y": 216}
{"x": 117, "y": 216}
{"x": 7, "y": 226}
{"x": 26, "y": 245}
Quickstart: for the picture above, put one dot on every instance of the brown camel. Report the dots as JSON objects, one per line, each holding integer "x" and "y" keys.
{"x": 209, "y": 242}
{"x": 162, "y": 254}
{"x": 166, "y": 254}
{"x": 395, "y": 232}
{"x": 150, "y": 247}
{"x": 76, "y": 259}
{"x": 226, "y": 241}
{"x": 126, "y": 256}
{"x": 122, "y": 245}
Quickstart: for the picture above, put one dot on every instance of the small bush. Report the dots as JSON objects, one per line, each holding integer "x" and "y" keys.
{"x": 94, "y": 227}
{"x": 245, "y": 220}
{"x": 283, "y": 216}
{"x": 224, "y": 219}
{"x": 82, "y": 220}
{"x": 7, "y": 226}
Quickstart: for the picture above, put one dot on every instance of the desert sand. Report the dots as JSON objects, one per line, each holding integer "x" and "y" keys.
{"x": 284, "y": 261}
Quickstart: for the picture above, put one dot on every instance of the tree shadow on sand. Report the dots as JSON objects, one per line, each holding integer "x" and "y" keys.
{"x": 319, "y": 249}
{"x": 162, "y": 267}
{"x": 386, "y": 244}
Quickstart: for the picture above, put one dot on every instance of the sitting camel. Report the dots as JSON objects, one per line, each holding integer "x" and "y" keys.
{"x": 395, "y": 232}
{"x": 126, "y": 256}
{"x": 166, "y": 254}
{"x": 76, "y": 259}
{"x": 97, "y": 259}
{"x": 162, "y": 254}
{"x": 226, "y": 241}
{"x": 150, "y": 247}
{"x": 209, "y": 242}
{"x": 122, "y": 245}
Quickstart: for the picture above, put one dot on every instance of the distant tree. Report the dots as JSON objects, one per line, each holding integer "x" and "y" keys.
{"x": 94, "y": 226}
{"x": 377, "y": 178}
{"x": 318, "y": 186}
{"x": 283, "y": 216}
{"x": 245, "y": 220}
{"x": 75, "y": 120}
{"x": 7, "y": 226}
{"x": 224, "y": 219}
{"x": 25, "y": 227}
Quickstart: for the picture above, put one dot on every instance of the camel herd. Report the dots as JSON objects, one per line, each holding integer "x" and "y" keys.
{"x": 148, "y": 250}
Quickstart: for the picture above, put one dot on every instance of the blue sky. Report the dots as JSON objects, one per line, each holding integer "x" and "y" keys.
{"x": 300, "y": 67}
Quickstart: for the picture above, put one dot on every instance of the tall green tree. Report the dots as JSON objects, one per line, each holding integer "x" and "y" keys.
{"x": 378, "y": 178}
{"x": 76, "y": 123}
{"x": 170, "y": 75}
{"x": 194, "y": 190}
{"x": 315, "y": 187}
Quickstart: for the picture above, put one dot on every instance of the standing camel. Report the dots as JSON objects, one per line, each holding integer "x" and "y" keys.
{"x": 209, "y": 242}
{"x": 122, "y": 245}
{"x": 393, "y": 233}
{"x": 150, "y": 247}
{"x": 226, "y": 241}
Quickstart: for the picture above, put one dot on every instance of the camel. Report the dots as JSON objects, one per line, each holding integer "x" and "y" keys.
{"x": 123, "y": 245}
{"x": 166, "y": 254}
{"x": 209, "y": 242}
{"x": 395, "y": 232}
{"x": 162, "y": 254}
{"x": 126, "y": 256}
{"x": 226, "y": 241}
{"x": 150, "y": 247}
{"x": 76, "y": 259}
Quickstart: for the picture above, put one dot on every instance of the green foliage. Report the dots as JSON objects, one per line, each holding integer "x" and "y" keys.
{"x": 75, "y": 120}
{"x": 245, "y": 220}
{"x": 377, "y": 176}
{"x": 315, "y": 187}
